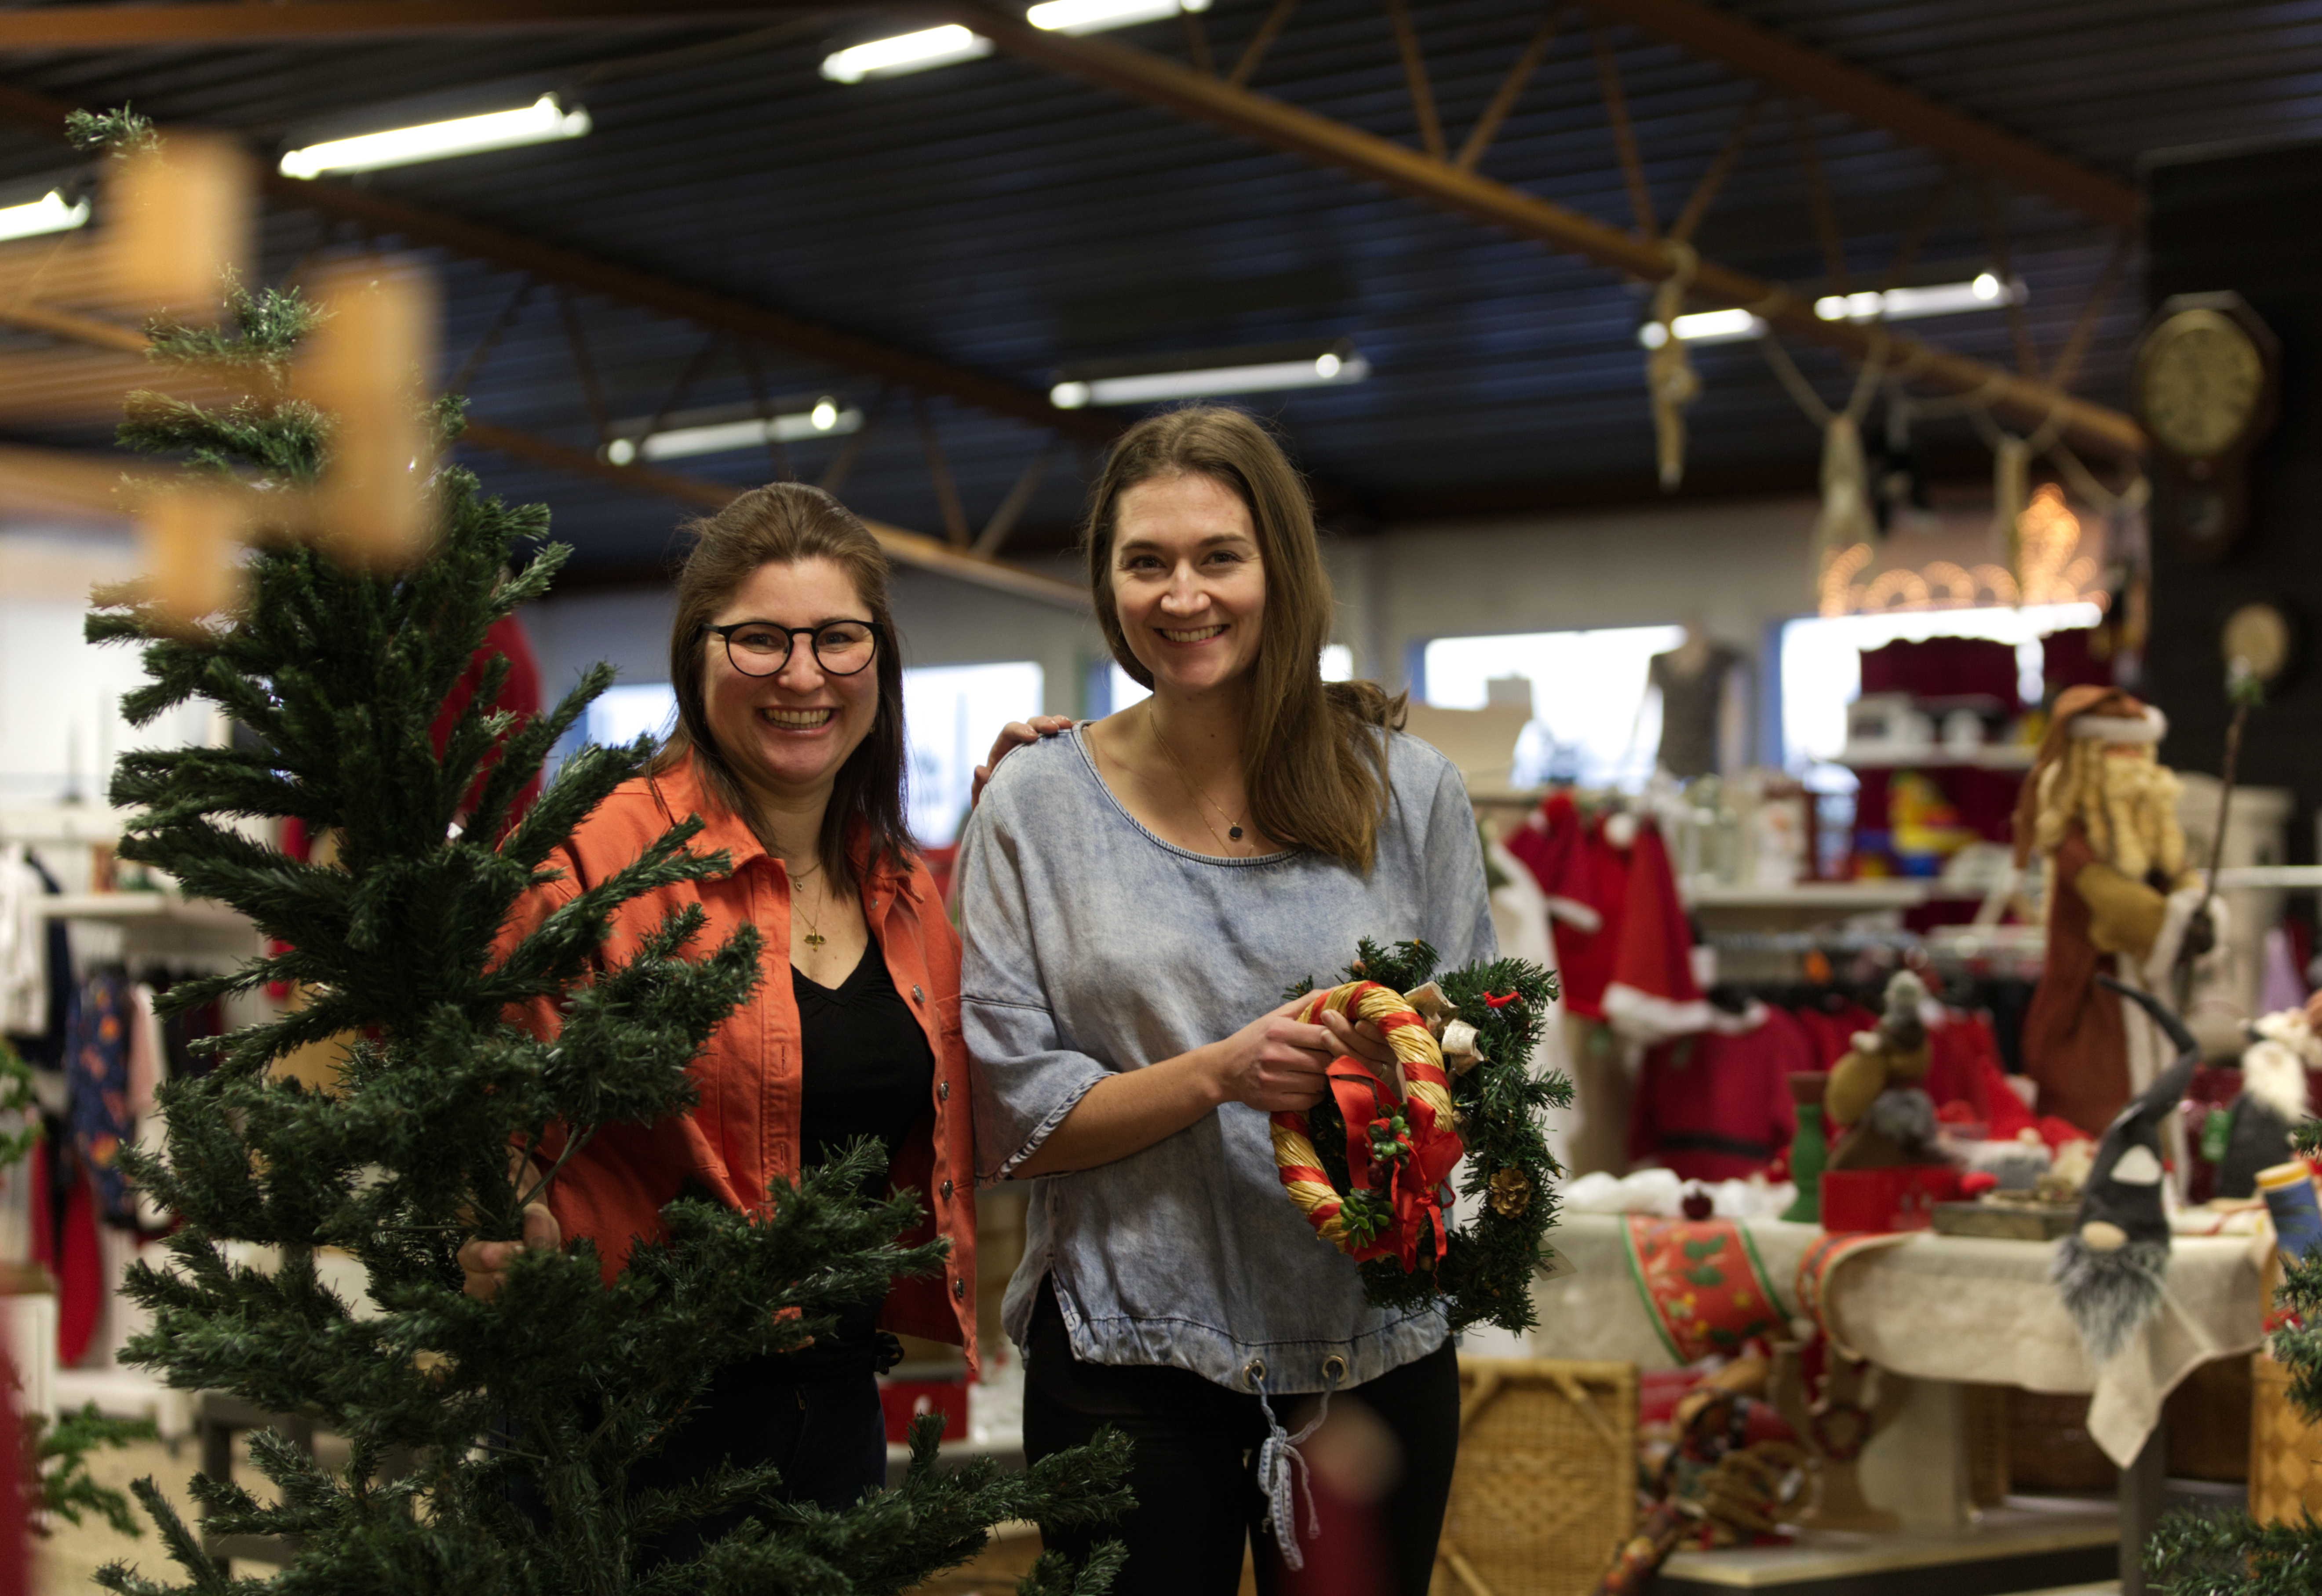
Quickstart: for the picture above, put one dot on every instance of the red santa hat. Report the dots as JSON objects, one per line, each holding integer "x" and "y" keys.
{"x": 1550, "y": 845}
{"x": 1653, "y": 995}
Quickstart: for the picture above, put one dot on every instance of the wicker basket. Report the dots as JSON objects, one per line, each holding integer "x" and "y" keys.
{"x": 1546, "y": 1488}
{"x": 2285, "y": 1472}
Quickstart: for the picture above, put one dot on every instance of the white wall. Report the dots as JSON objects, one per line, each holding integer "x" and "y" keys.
{"x": 60, "y": 726}
{"x": 1738, "y": 564}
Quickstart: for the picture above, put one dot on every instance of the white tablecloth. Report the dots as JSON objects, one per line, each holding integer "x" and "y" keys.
{"x": 1942, "y": 1308}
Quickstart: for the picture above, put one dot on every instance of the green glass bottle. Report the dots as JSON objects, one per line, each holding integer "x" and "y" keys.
{"x": 1808, "y": 1151}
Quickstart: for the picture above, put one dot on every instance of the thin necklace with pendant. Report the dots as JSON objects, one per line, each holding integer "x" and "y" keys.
{"x": 1233, "y": 826}
{"x": 814, "y": 936}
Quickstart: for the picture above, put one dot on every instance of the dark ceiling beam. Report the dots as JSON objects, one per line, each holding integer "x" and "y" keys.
{"x": 382, "y": 213}
{"x": 1201, "y": 97}
{"x": 1800, "y": 69}
{"x": 905, "y": 548}
{"x": 124, "y": 27}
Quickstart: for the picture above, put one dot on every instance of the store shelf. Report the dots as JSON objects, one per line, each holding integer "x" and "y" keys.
{"x": 2288, "y": 878}
{"x": 1836, "y": 898}
{"x": 167, "y": 907}
{"x": 1987, "y": 756}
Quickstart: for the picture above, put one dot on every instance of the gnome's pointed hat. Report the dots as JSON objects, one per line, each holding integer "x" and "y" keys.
{"x": 2110, "y": 1269}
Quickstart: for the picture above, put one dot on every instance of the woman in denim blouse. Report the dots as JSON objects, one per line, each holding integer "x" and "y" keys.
{"x": 1136, "y": 895}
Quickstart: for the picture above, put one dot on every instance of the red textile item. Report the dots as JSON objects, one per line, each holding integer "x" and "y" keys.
{"x": 1964, "y": 1067}
{"x": 1552, "y": 843}
{"x": 1586, "y": 955}
{"x": 1651, "y": 994}
{"x": 81, "y": 1276}
{"x": 519, "y": 695}
{"x": 1944, "y": 668}
{"x": 1831, "y": 1031}
{"x": 1716, "y": 1105}
{"x": 2076, "y": 658}
{"x": 1703, "y": 1284}
{"x": 743, "y": 1132}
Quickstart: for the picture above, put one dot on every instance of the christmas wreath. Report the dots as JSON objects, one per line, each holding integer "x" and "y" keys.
{"x": 1371, "y": 1165}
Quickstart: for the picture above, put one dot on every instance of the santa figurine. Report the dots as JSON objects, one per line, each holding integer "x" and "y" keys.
{"x": 2101, "y": 811}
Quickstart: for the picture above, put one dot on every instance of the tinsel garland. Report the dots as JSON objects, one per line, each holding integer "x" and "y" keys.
{"x": 1485, "y": 1271}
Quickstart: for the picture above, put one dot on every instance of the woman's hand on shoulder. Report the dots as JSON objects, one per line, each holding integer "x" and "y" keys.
{"x": 1276, "y": 1062}
{"x": 1015, "y": 734}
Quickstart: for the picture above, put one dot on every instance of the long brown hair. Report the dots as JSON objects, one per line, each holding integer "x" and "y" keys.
{"x": 782, "y": 523}
{"x": 1314, "y": 756}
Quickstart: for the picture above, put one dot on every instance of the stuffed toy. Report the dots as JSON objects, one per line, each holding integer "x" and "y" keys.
{"x": 2273, "y": 1100}
{"x": 1875, "y": 1095}
{"x": 2109, "y": 1270}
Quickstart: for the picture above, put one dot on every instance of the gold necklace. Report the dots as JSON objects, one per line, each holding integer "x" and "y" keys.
{"x": 814, "y": 936}
{"x": 1233, "y": 826}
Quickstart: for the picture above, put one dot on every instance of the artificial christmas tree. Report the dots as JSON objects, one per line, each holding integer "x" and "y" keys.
{"x": 490, "y": 1443}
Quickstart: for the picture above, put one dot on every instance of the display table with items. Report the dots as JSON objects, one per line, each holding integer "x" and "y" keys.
{"x": 1953, "y": 1317}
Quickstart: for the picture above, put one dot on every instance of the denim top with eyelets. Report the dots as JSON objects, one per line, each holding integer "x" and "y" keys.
{"x": 1091, "y": 946}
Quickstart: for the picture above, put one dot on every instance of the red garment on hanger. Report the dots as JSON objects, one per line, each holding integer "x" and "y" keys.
{"x": 1831, "y": 1031}
{"x": 80, "y": 1275}
{"x": 1651, "y": 994}
{"x": 519, "y": 695}
{"x": 1964, "y": 1067}
{"x": 1716, "y": 1105}
{"x": 1602, "y": 878}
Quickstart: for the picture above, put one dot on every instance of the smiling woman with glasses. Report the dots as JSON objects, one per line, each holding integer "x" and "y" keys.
{"x": 793, "y": 759}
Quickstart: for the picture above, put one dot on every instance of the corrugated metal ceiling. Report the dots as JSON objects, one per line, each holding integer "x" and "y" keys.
{"x": 1015, "y": 223}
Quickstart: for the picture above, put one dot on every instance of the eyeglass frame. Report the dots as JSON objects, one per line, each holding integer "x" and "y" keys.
{"x": 725, "y": 634}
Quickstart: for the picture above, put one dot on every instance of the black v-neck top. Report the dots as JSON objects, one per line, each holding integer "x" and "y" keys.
{"x": 866, "y": 1071}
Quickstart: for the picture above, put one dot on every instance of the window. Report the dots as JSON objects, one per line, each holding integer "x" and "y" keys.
{"x": 1120, "y": 690}
{"x": 624, "y": 713}
{"x": 1592, "y": 721}
{"x": 951, "y": 713}
{"x": 1822, "y": 662}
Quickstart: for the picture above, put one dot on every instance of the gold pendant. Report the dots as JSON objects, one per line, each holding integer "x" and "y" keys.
{"x": 814, "y": 939}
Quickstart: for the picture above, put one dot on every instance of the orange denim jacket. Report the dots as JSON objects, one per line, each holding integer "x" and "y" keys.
{"x": 743, "y": 1132}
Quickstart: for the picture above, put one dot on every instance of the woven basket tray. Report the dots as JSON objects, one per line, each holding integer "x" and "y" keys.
{"x": 2285, "y": 1472}
{"x": 1546, "y": 1488}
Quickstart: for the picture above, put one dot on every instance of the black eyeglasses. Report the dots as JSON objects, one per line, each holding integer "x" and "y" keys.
{"x": 760, "y": 648}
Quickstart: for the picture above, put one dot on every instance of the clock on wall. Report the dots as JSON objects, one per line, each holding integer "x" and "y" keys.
{"x": 2205, "y": 385}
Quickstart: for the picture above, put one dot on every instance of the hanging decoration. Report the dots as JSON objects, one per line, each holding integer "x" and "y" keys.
{"x": 1372, "y": 1165}
{"x": 1845, "y": 530}
{"x": 1670, "y": 375}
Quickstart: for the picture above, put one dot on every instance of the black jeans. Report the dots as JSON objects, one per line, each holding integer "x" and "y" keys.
{"x": 1194, "y": 1471}
{"x": 827, "y": 1437}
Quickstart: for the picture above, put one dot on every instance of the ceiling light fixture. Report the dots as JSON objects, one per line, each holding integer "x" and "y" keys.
{"x": 1094, "y": 16}
{"x": 950, "y": 44}
{"x": 49, "y": 213}
{"x": 1332, "y": 367}
{"x": 905, "y": 52}
{"x": 1985, "y": 292}
{"x": 828, "y": 419}
{"x": 537, "y": 123}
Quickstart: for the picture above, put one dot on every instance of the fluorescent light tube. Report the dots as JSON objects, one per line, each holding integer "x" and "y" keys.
{"x": 1094, "y": 16}
{"x": 49, "y": 213}
{"x": 905, "y": 52}
{"x": 1328, "y": 369}
{"x": 825, "y": 420}
{"x": 1704, "y": 326}
{"x": 1986, "y": 292}
{"x": 536, "y": 124}
{"x": 1903, "y": 304}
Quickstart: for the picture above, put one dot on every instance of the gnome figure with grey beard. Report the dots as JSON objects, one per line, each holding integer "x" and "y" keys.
{"x": 2109, "y": 1270}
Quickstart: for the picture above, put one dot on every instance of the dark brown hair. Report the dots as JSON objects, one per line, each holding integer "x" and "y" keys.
{"x": 1314, "y": 760}
{"x": 783, "y": 523}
